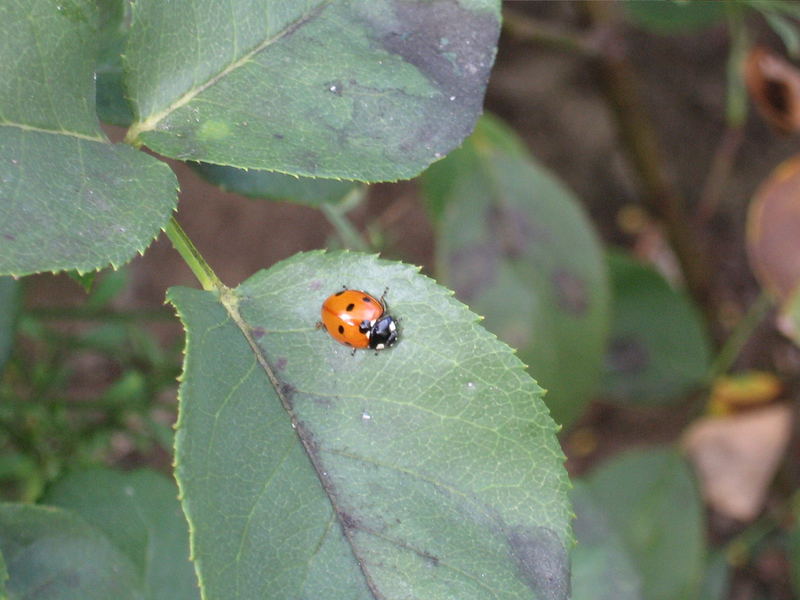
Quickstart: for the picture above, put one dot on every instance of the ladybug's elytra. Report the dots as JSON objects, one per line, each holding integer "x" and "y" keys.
{"x": 359, "y": 320}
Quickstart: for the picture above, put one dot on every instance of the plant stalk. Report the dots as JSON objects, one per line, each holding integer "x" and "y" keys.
{"x": 336, "y": 215}
{"x": 201, "y": 269}
{"x": 738, "y": 338}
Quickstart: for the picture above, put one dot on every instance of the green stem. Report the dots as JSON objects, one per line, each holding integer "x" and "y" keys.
{"x": 201, "y": 269}
{"x": 336, "y": 215}
{"x": 736, "y": 101}
{"x": 527, "y": 29}
{"x": 737, "y": 339}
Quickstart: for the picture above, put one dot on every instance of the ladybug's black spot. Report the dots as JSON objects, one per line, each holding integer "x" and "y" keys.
{"x": 341, "y": 329}
{"x": 367, "y": 299}
{"x": 350, "y": 307}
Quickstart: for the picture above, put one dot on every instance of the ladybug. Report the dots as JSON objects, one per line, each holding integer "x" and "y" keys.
{"x": 358, "y": 320}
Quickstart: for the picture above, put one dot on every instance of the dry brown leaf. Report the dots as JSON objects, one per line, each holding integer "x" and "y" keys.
{"x": 774, "y": 86}
{"x": 735, "y": 458}
{"x": 773, "y": 230}
{"x": 743, "y": 391}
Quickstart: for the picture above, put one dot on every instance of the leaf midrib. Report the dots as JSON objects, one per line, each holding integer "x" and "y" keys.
{"x": 230, "y": 301}
{"x": 152, "y": 121}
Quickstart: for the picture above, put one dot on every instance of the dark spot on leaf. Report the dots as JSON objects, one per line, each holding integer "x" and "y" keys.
{"x": 627, "y": 355}
{"x": 570, "y": 292}
{"x": 258, "y": 332}
{"x": 278, "y": 136}
{"x": 280, "y": 364}
{"x": 288, "y": 391}
{"x": 542, "y": 561}
{"x": 513, "y": 229}
{"x": 9, "y": 237}
{"x": 432, "y": 560}
{"x": 451, "y": 45}
{"x": 348, "y": 521}
{"x": 312, "y": 447}
{"x": 322, "y": 400}
{"x": 474, "y": 268}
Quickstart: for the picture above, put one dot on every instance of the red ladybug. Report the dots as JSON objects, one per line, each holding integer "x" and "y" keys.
{"x": 358, "y": 320}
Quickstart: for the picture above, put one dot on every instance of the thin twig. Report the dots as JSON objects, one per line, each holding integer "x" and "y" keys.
{"x": 527, "y": 29}
{"x": 660, "y": 196}
{"x": 719, "y": 173}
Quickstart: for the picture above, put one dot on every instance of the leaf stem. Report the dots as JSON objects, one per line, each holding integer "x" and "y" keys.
{"x": 737, "y": 339}
{"x": 337, "y": 217}
{"x": 201, "y": 269}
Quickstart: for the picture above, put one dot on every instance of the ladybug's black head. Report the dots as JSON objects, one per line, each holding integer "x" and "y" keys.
{"x": 383, "y": 333}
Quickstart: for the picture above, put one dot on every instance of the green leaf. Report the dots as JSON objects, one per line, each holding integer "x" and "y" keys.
{"x": 3, "y": 578}
{"x": 428, "y": 470}
{"x": 602, "y": 568}
{"x": 649, "y": 497}
{"x": 276, "y": 186}
{"x": 370, "y": 90}
{"x": 112, "y": 105}
{"x": 659, "y": 349}
{"x": 9, "y": 309}
{"x": 441, "y": 181}
{"x": 716, "y": 577}
{"x": 106, "y": 287}
{"x": 516, "y": 246}
{"x": 673, "y": 17}
{"x": 140, "y": 514}
{"x": 70, "y": 199}
{"x": 794, "y": 553}
{"x": 51, "y": 553}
